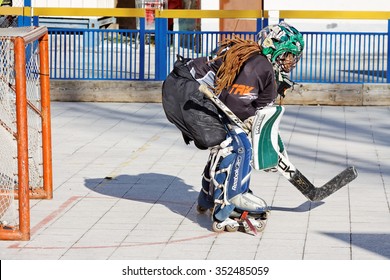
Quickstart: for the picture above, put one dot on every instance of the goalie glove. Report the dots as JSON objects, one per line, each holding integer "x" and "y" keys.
{"x": 285, "y": 85}
{"x": 249, "y": 122}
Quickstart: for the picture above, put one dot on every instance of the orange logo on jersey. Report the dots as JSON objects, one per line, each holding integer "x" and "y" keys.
{"x": 240, "y": 89}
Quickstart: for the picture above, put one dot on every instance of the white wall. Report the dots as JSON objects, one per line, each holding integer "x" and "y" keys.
{"x": 207, "y": 23}
{"x": 331, "y": 25}
{"x": 332, "y": 5}
{"x": 74, "y": 3}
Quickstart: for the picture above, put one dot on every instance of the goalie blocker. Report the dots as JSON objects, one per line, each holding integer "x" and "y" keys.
{"x": 269, "y": 152}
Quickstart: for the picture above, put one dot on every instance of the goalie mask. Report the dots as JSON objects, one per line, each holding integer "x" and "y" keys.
{"x": 283, "y": 45}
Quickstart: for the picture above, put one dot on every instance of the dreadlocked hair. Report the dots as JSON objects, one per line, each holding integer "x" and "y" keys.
{"x": 233, "y": 53}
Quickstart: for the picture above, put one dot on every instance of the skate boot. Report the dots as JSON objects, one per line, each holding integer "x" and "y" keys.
{"x": 205, "y": 198}
{"x": 205, "y": 201}
{"x": 227, "y": 176}
{"x": 246, "y": 211}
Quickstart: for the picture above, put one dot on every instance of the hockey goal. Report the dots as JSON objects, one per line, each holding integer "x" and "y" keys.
{"x": 25, "y": 128}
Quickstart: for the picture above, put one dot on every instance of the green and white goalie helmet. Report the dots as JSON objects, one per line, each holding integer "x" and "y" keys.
{"x": 281, "y": 42}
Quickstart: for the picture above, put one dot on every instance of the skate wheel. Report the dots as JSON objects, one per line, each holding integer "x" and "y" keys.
{"x": 217, "y": 227}
{"x": 261, "y": 226}
{"x": 231, "y": 228}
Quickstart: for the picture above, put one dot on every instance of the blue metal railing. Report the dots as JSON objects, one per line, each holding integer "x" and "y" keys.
{"x": 349, "y": 57}
{"x": 329, "y": 57}
{"x": 197, "y": 43}
{"x": 96, "y": 54}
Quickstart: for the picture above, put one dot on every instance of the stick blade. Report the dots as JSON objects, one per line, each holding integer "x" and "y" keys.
{"x": 339, "y": 181}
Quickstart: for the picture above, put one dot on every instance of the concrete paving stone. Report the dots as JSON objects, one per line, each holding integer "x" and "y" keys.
{"x": 161, "y": 237}
{"x": 48, "y": 244}
{"x": 201, "y": 238}
{"x": 274, "y": 236}
{"x": 74, "y": 222}
{"x": 198, "y": 225}
{"x": 289, "y": 243}
{"x": 328, "y": 238}
{"x": 115, "y": 224}
{"x": 162, "y": 226}
{"x": 372, "y": 227}
{"x": 329, "y": 226}
{"x": 103, "y": 236}
{"x": 245, "y": 239}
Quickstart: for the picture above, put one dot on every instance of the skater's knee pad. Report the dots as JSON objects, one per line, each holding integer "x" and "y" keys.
{"x": 239, "y": 177}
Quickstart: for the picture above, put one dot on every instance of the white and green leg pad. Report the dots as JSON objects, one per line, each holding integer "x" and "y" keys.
{"x": 266, "y": 141}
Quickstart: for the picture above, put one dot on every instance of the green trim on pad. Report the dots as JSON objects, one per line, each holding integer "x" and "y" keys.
{"x": 267, "y": 155}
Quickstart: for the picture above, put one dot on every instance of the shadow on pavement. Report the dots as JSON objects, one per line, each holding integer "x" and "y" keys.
{"x": 304, "y": 207}
{"x": 378, "y": 243}
{"x": 153, "y": 188}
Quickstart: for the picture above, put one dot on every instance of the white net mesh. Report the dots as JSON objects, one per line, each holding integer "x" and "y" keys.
{"x": 8, "y": 152}
{"x": 8, "y": 128}
{"x": 34, "y": 120}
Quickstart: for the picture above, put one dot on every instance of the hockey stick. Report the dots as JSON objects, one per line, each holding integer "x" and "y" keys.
{"x": 286, "y": 168}
{"x": 295, "y": 177}
{"x": 205, "y": 90}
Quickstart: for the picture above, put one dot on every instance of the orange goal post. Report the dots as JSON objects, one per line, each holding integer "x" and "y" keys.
{"x": 25, "y": 127}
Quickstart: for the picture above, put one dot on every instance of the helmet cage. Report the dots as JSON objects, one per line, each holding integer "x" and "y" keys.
{"x": 277, "y": 41}
{"x": 287, "y": 61}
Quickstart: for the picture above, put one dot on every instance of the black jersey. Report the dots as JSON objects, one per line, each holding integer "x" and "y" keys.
{"x": 253, "y": 88}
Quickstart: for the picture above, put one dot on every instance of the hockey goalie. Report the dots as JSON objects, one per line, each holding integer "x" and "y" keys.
{"x": 225, "y": 103}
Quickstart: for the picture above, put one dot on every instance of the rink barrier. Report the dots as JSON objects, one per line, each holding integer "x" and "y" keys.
{"x": 150, "y": 92}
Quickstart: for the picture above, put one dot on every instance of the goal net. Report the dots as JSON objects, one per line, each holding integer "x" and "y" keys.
{"x": 25, "y": 130}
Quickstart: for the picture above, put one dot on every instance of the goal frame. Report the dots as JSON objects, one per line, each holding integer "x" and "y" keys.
{"x": 24, "y": 193}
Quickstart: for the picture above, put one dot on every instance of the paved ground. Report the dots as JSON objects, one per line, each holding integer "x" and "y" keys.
{"x": 126, "y": 185}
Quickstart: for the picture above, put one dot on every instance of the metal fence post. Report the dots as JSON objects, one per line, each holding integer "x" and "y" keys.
{"x": 265, "y": 23}
{"x": 25, "y": 20}
{"x": 142, "y": 48}
{"x": 259, "y": 24}
{"x": 161, "y": 48}
{"x": 388, "y": 52}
